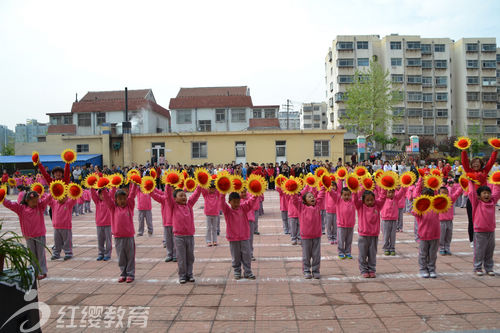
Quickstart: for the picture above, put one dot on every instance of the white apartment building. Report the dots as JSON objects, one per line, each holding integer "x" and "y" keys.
{"x": 431, "y": 74}
{"x": 313, "y": 116}
{"x": 289, "y": 119}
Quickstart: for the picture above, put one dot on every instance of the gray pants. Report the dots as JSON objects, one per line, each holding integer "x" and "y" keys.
{"x": 400, "y": 219}
{"x": 427, "y": 255}
{"x": 389, "y": 235}
{"x": 252, "y": 229}
{"x": 311, "y": 255}
{"x": 37, "y": 246}
{"x": 211, "y": 235}
{"x": 87, "y": 207}
{"x": 323, "y": 220}
{"x": 345, "y": 240}
{"x": 184, "y": 246}
{"x": 256, "y": 217}
{"x": 80, "y": 209}
{"x": 331, "y": 226}
{"x": 409, "y": 206}
{"x": 284, "y": 218}
{"x": 240, "y": 252}
{"x": 148, "y": 216}
{"x": 218, "y": 223}
{"x": 63, "y": 239}
{"x": 415, "y": 231}
{"x": 125, "y": 250}
{"x": 168, "y": 239}
{"x": 446, "y": 234}
{"x": 367, "y": 253}
{"x": 104, "y": 244}
{"x": 261, "y": 208}
{"x": 484, "y": 245}
{"x": 294, "y": 228}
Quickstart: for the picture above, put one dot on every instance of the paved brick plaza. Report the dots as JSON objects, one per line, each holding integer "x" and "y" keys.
{"x": 280, "y": 300}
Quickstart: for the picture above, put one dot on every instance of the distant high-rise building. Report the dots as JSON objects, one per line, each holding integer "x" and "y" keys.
{"x": 289, "y": 119}
{"x": 32, "y": 131}
{"x": 313, "y": 116}
{"x": 6, "y": 136}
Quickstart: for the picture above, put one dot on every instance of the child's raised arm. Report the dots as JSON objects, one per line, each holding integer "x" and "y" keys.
{"x": 472, "y": 194}
{"x": 158, "y": 195}
{"x": 94, "y": 195}
{"x": 106, "y": 196}
{"x": 194, "y": 197}
{"x": 131, "y": 195}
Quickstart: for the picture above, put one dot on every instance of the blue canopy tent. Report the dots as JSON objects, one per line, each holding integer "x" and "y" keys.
{"x": 49, "y": 161}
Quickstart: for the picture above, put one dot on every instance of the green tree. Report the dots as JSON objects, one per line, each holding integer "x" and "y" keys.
{"x": 9, "y": 149}
{"x": 370, "y": 100}
{"x": 477, "y": 139}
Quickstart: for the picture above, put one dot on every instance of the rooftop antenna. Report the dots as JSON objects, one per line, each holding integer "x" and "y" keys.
{"x": 76, "y": 98}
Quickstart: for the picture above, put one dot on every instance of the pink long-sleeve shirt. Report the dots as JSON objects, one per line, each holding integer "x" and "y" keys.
{"x": 283, "y": 200}
{"x": 182, "y": 215}
{"x": 86, "y": 195}
{"x": 61, "y": 213}
{"x": 237, "y": 226}
{"x": 390, "y": 210}
{"x": 346, "y": 214}
{"x": 368, "y": 217}
{"x": 166, "y": 210}
{"x": 102, "y": 214}
{"x": 212, "y": 202}
{"x": 309, "y": 216}
{"x": 455, "y": 192}
{"x": 143, "y": 201}
{"x": 429, "y": 227}
{"x": 483, "y": 212}
{"x": 122, "y": 218}
{"x": 31, "y": 219}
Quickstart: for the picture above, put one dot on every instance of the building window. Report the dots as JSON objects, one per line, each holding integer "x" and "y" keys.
{"x": 472, "y": 79}
{"x": 413, "y": 62}
{"x": 42, "y": 139}
{"x": 340, "y": 96}
{"x": 398, "y": 112}
{"x": 427, "y": 97}
{"x": 362, "y": 45}
{"x": 490, "y": 129}
{"x": 100, "y": 118}
{"x": 307, "y": 117}
{"x": 396, "y": 62}
{"x": 83, "y": 148}
{"x": 397, "y": 95}
{"x": 441, "y": 64}
{"x": 344, "y": 46}
{"x": 395, "y": 45}
{"x": 240, "y": 148}
{"x": 307, "y": 125}
{"x": 472, "y": 63}
{"x": 414, "y": 96}
{"x": 183, "y": 117}
{"x": 398, "y": 129}
{"x": 238, "y": 116}
{"x": 345, "y": 79}
{"x": 472, "y": 96}
{"x": 363, "y": 62}
{"x": 321, "y": 148}
{"x": 441, "y": 96}
{"x": 425, "y": 48}
{"x": 498, "y": 58}
{"x": 68, "y": 120}
{"x": 220, "y": 115}
{"x": 428, "y": 129}
{"x": 442, "y": 113}
{"x": 413, "y": 45}
{"x": 428, "y": 113}
{"x": 427, "y": 64}
{"x": 199, "y": 150}
{"x": 307, "y": 108}
{"x": 204, "y": 125}
{"x": 397, "y": 78}
{"x": 489, "y": 97}
{"x": 345, "y": 62}
{"x": 442, "y": 129}
{"x": 489, "y": 47}
{"x": 473, "y": 113}
{"x": 415, "y": 129}
{"x": 257, "y": 113}
{"x": 471, "y": 47}
{"x": 84, "y": 120}
{"x": 489, "y": 81}
{"x": 427, "y": 81}
{"x": 490, "y": 114}
{"x": 439, "y": 47}
{"x": 441, "y": 81}
{"x": 269, "y": 113}
{"x": 414, "y": 112}
{"x": 414, "y": 79}
{"x": 280, "y": 148}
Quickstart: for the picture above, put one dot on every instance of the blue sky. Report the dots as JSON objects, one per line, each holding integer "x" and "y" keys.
{"x": 51, "y": 50}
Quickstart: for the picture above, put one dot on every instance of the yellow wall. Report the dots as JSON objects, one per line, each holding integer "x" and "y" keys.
{"x": 260, "y": 146}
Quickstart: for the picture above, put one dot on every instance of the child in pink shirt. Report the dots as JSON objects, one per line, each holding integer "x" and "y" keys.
{"x": 121, "y": 206}
{"x": 331, "y": 215}
{"x": 284, "y": 210}
{"x": 483, "y": 203}
{"x": 30, "y": 212}
{"x": 346, "y": 219}
{"x": 145, "y": 214}
{"x": 166, "y": 216}
{"x": 368, "y": 209}
{"x": 446, "y": 219}
{"x": 238, "y": 233}
{"x": 61, "y": 221}
{"x": 211, "y": 209}
{"x": 86, "y": 201}
{"x": 254, "y": 204}
{"x": 310, "y": 231}
{"x": 390, "y": 214}
{"x": 183, "y": 228}
{"x": 103, "y": 225}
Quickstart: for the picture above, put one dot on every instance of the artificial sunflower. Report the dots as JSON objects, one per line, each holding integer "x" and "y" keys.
{"x": 407, "y": 179}
{"x": 68, "y": 156}
{"x": 148, "y": 184}
{"x": 256, "y": 185}
{"x": 58, "y": 189}
{"x": 422, "y": 204}
{"x": 38, "y": 188}
{"x": 202, "y": 177}
{"x": 462, "y": 143}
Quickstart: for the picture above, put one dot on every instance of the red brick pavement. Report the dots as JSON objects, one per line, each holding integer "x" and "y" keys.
{"x": 280, "y": 300}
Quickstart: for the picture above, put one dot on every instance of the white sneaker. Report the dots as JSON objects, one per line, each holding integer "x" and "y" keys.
{"x": 479, "y": 272}
{"x": 424, "y": 275}
{"x": 491, "y": 273}
{"x": 432, "y": 275}
{"x": 472, "y": 244}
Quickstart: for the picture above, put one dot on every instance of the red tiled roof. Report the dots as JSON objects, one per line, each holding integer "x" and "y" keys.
{"x": 61, "y": 129}
{"x": 266, "y": 106}
{"x": 118, "y": 105}
{"x": 210, "y": 102}
{"x": 117, "y": 94}
{"x": 264, "y": 122}
{"x": 213, "y": 91}
{"x": 59, "y": 114}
